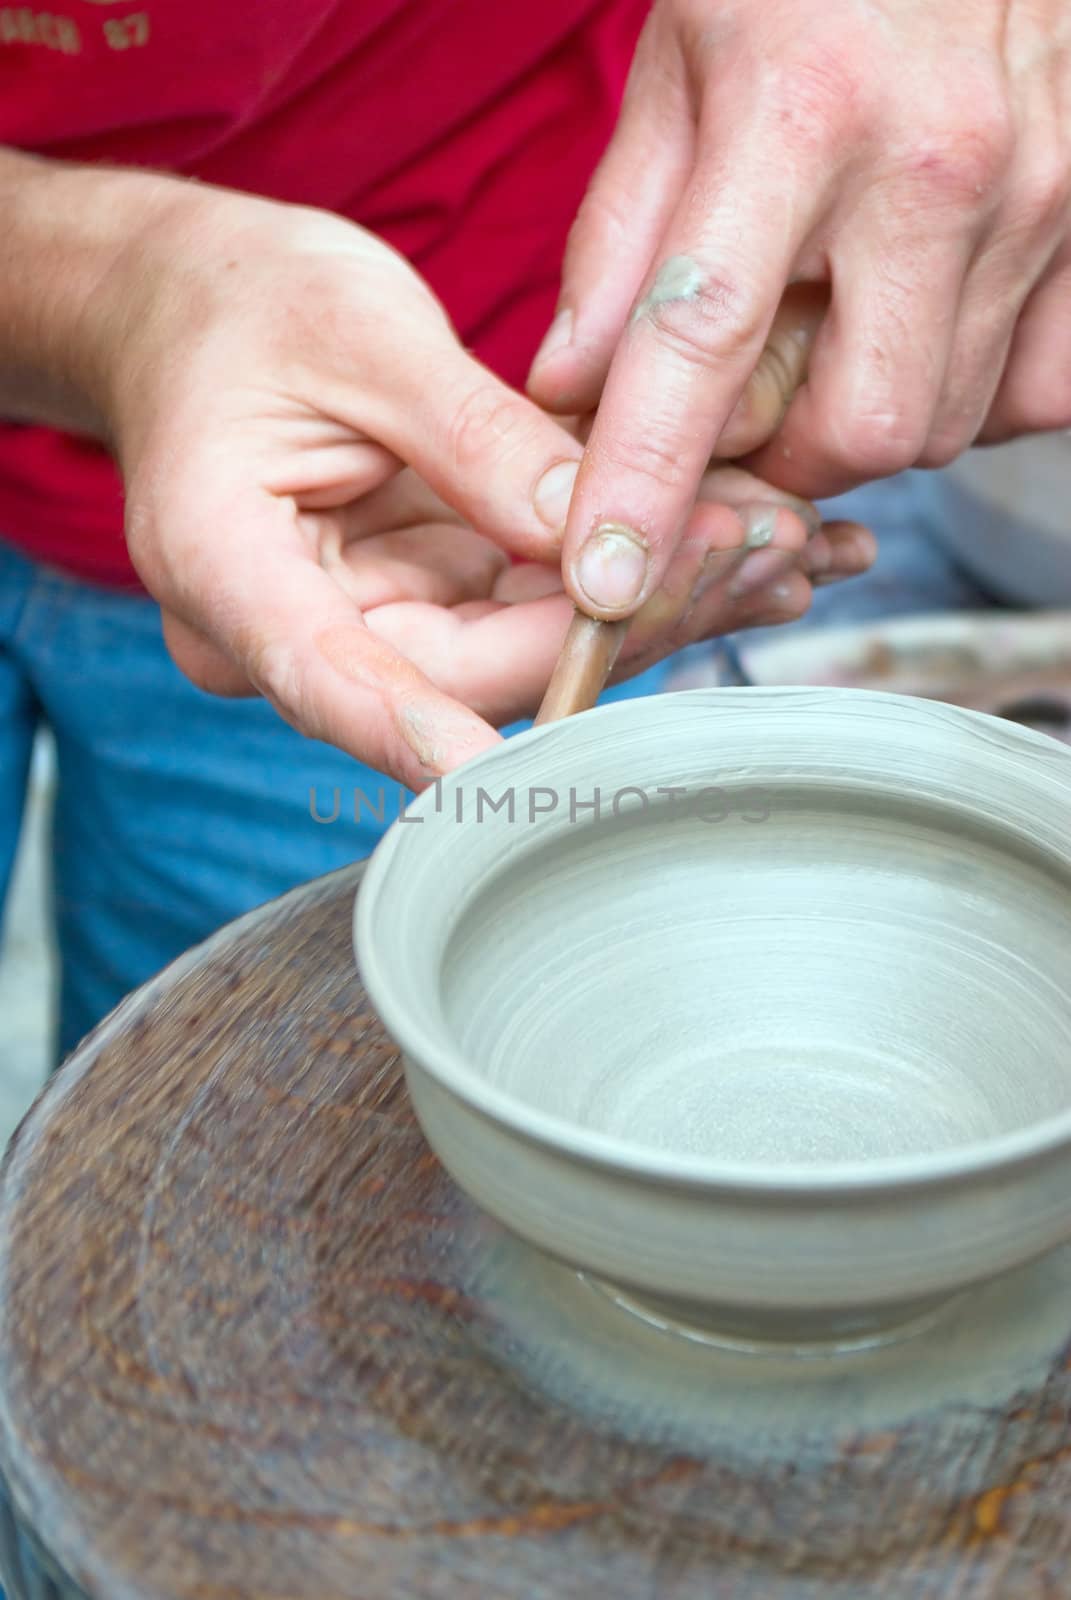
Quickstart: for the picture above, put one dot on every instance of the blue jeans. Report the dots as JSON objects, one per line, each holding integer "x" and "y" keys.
{"x": 175, "y": 811}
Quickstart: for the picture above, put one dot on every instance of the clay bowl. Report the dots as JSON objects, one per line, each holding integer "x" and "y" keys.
{"x": 777, "y": 1047}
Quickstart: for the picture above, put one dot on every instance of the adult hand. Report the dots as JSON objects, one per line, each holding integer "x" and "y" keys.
{"x": 280, "y": 367}
{"x": 487, "y": 632}
{"x": 913, "y": 157}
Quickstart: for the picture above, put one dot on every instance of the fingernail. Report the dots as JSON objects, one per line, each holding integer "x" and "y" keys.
{"x": 853, "y": 561}
{"x": 808, "y": 514}
{"x": 553, "y": 493}
{"x": 760, "y": 521}
{"x": 760, "y": 525}
{"x": 557, "y": 336}
{"x": 612, "y": 568}
{"x": 866, "y": 546}
{"x": 760, "y": 568}
{"x": 776, "y": 606}
{"x": 818, "y": 556}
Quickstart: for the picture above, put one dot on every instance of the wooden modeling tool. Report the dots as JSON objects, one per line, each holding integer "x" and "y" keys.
{"x": 588, "y": 655}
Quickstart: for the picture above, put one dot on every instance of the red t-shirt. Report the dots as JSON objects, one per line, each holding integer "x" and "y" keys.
{"x": 463, "y": 131}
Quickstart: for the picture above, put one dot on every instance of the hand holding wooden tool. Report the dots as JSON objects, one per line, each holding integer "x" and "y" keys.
{"x": 592, "y": 646}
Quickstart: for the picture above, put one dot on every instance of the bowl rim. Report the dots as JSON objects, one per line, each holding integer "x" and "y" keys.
{"x": 556, "y": 1136}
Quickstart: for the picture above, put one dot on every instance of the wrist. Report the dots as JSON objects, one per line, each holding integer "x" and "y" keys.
{"x": 66, "y": 285}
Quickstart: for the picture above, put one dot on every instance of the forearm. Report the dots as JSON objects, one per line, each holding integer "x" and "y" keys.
{"x": 65, "y": 243}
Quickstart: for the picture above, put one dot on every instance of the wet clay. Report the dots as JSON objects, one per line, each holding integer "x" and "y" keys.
{"x": 845, "y": 979}
{"x": 792, "y": 1060}
{"x": 679, "y": 278}
{"x": 578, "y": 1345}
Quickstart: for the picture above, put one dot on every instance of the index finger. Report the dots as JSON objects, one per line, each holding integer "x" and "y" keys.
{"x": 693, "y": 340}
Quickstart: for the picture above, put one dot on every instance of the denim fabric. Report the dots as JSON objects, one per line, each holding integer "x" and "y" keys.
{"x": 175, "y": 811}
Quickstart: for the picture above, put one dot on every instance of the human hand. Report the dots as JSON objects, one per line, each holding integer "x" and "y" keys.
{"x": 913, "y": 157}
{"x": 488, "y": 632}
{"x": 280, "y": 368}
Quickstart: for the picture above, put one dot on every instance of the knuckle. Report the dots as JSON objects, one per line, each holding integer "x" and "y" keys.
{"x": 487, "y": 423}
{"x": 1043, "y": 192}
{"x": 880, "y": 444}
{"x": 963, "y": 158}
{"x": 710, "y": 323}
{"x": 655, "y": 455}
{"x": 1040, "y": 405}
{"x": 818, "y": 96}
{"x": 945, "y": 445}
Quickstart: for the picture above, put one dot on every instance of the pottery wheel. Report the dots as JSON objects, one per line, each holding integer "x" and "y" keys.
{"x": 254, "y": 1343}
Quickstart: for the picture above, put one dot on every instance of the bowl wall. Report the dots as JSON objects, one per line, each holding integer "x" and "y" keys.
{"x": 781, "y": 1030}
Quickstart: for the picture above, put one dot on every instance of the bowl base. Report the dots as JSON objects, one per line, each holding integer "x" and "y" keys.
{"x": 820, "y": 1334}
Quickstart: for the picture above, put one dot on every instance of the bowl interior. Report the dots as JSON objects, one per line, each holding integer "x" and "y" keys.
{"x": 849, "y": 975}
